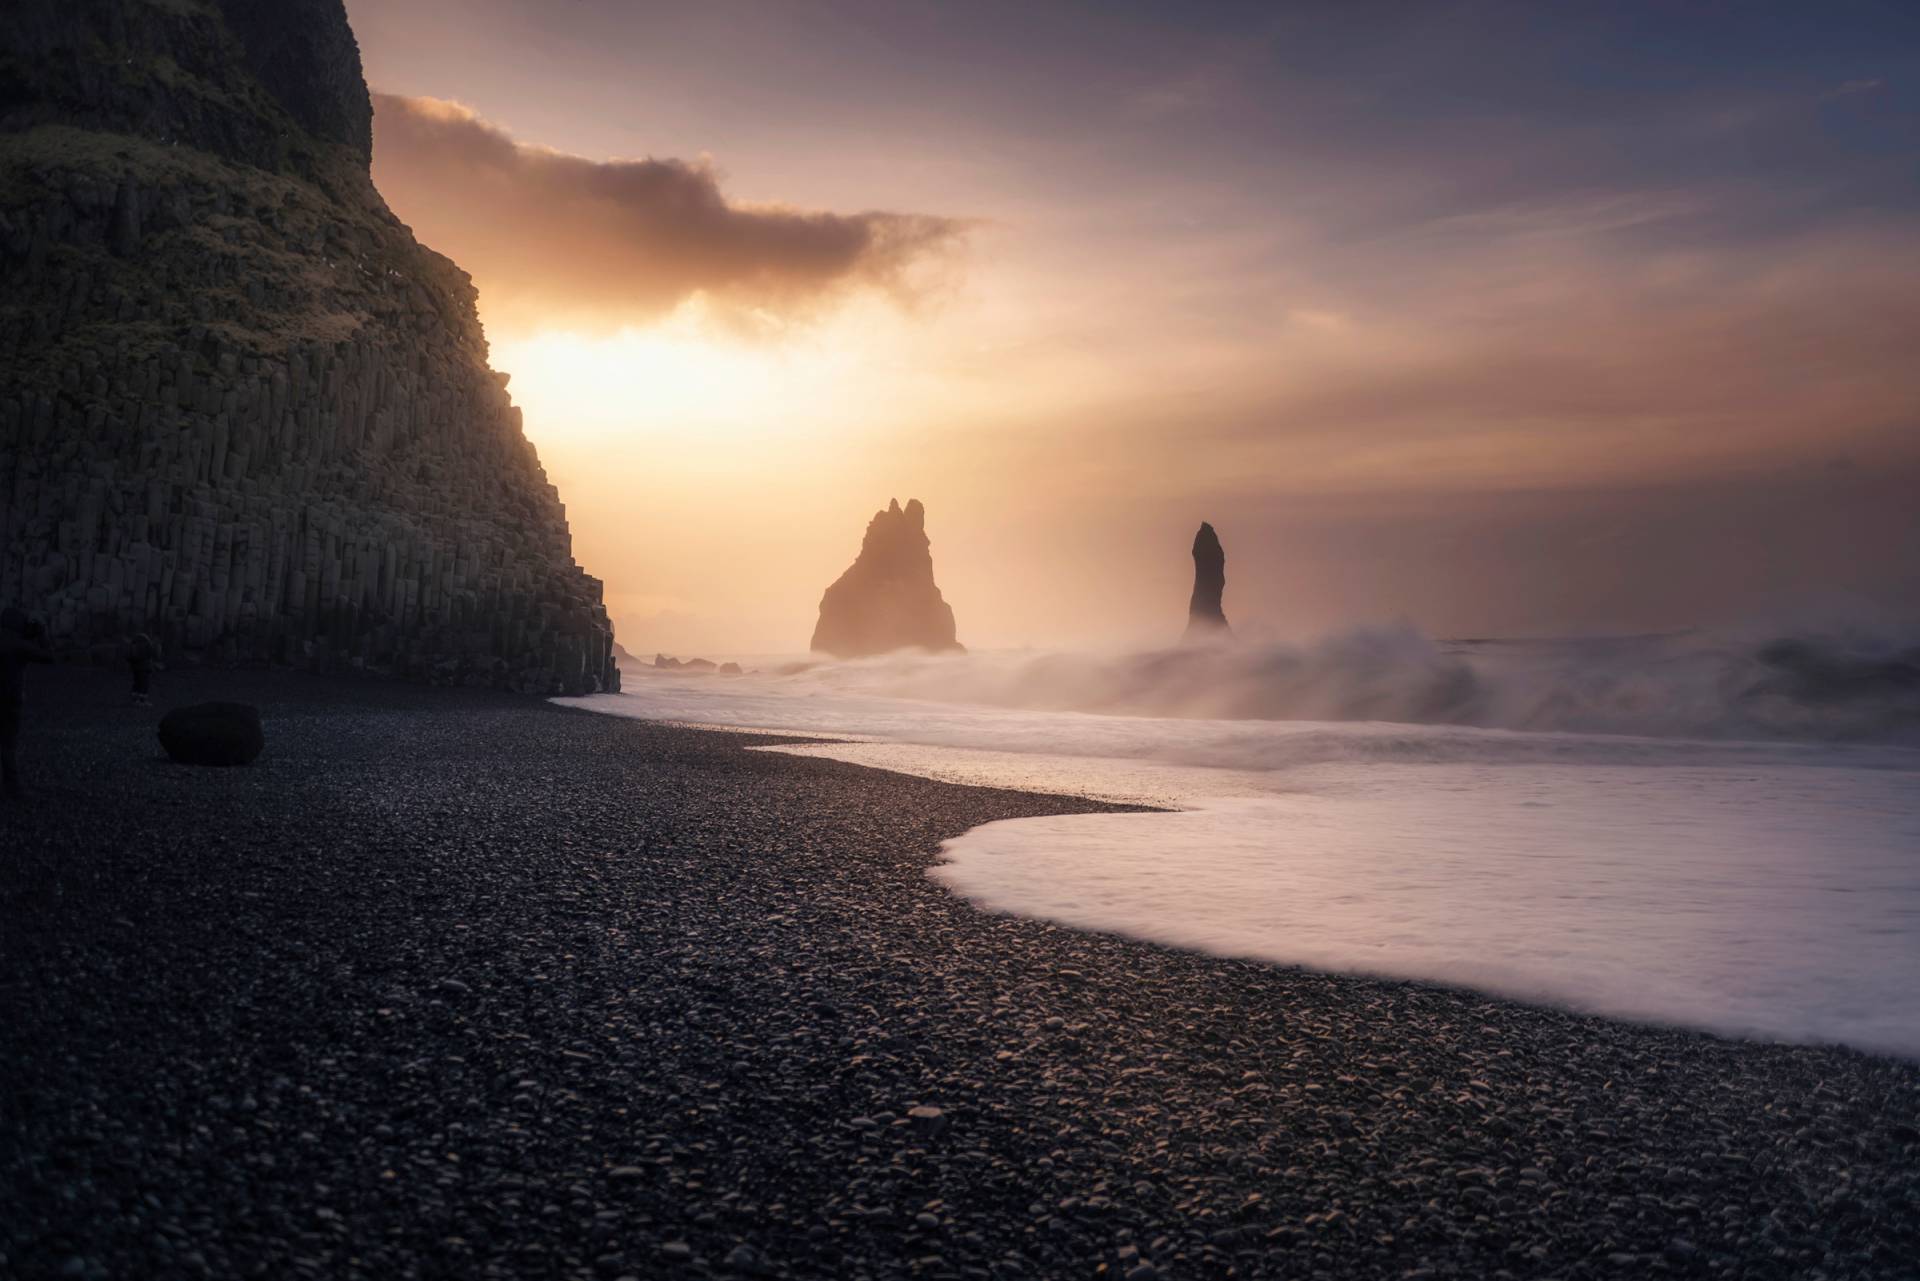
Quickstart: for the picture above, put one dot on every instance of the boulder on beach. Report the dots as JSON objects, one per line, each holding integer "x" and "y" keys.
{"x": 887, "y": 599}
{"x": 213, "y": 734}
{"x": 1206, "y": 619}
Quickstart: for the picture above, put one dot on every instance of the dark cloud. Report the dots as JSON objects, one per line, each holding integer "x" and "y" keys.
{"x": 555, "y": 237}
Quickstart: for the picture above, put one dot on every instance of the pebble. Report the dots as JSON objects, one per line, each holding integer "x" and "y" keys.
{"x": 220, "y": 1071}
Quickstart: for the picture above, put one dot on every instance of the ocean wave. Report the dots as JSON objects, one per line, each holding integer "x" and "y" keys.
{"x": 1826, "y": 686}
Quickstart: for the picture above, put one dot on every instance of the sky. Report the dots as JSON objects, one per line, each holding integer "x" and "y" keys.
{"x": 1495, "y": 319}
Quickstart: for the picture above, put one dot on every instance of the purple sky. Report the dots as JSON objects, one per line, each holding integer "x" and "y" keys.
{"x": 1504, "y": 318}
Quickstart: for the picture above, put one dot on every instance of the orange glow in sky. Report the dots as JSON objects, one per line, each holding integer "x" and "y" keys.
{"x": 1504, "y": 365}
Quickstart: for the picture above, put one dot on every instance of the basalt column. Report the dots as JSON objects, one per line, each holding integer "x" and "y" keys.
{"x": 241, "y": 408}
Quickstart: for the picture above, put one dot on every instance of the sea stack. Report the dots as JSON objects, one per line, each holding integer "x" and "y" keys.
{"x": 1205, "y": 618}
{"x": 242, "y": 410}
{"x": 887, "y": 599}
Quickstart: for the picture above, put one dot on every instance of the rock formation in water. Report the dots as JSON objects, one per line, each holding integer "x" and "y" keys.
{"x": 1205, "y": 617}
{"x": 668, "y": 663}
{"x": 887, "y": 599}
{"x": 241, "y": 409}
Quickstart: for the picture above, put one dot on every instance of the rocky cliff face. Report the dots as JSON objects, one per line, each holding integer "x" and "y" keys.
{"x": 1206, "y": 618}
{"x": 240, "y": 407}
{"x": 887, "y": 599}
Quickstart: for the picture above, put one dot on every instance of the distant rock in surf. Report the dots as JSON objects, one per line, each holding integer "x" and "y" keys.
{"x": 887, "y": 599}
{"x": 1205, "y": 618}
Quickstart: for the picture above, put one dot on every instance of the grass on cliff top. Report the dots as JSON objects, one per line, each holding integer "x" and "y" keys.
{"x": 328, "y": 245}
{"x": 48, "y": 162}
{"x": 44, "y": 160}
{"x": 336, "y": 216}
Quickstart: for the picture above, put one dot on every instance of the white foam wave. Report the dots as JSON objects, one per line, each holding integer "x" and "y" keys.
{"x": 1829, "y": 685}
{"x": 1761, "y": 887}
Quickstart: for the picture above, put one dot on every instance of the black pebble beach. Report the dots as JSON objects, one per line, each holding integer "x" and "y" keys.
{"x": 451, "y": 984}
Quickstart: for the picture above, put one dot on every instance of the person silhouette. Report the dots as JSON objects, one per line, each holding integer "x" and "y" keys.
{"x": 21, "y": 642}
{"x": 142, "y": 654}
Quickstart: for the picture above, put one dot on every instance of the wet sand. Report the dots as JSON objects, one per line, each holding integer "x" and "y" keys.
{"x": 457, "y": 984}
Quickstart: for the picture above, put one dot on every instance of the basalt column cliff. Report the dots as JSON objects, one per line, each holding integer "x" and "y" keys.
{"x": 240, "y": 407}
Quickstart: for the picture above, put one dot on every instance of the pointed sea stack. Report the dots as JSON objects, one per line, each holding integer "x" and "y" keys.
{"x": 887, "y": 599}
{"x": 1205, "y": 618}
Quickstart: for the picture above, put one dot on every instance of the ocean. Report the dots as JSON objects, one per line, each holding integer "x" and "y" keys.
{"x": 1718, "y": 832}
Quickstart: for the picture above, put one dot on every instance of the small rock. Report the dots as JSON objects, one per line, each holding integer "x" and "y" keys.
{"x": 219, "y": 734}
{"x": 742, "y": 1258}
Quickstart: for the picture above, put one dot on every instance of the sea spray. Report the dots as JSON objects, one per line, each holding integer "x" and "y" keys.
{"x": 1826, "y": 685}
{"x": 1722, "y": 832}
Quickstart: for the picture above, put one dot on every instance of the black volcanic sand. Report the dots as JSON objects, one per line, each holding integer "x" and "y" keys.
{"x": 457, "y": 985}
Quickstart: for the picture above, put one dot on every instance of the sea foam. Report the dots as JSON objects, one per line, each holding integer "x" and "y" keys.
{"x": 1764, "y": 885}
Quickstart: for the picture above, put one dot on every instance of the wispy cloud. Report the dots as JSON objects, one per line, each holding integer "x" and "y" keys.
{"x": 557, "y": 238}
{"x": 1852, "y": 87}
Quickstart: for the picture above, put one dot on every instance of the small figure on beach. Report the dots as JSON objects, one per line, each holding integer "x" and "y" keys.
{"x": 21, "y": 642}
{"x": 142, "y": 656}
